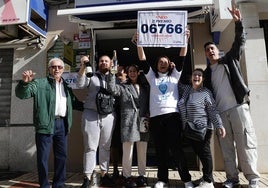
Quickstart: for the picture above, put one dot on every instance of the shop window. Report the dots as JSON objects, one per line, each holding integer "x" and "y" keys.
{"x": 6, "y": 67}
{"x": 264, "y": 25}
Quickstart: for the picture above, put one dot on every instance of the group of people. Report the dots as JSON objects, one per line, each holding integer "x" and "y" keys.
{"x": 165, "y": 95}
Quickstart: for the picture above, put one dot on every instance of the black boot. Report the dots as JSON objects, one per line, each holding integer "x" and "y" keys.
{"x": 107, "y": 181}
{"x": 129, "y": 183}
{"x": 86, "y": 183}
{"x": 141, "y": 181}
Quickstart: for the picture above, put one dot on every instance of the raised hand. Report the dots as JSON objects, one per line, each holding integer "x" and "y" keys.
{"x": 235, "y": 12}
{"x": 187, "y": 33}
{"x": 28, "y": 75}
{"x": 135, "y": 38}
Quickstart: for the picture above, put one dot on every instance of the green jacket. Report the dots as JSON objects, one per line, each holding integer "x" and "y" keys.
{"x": 43, "y": 91}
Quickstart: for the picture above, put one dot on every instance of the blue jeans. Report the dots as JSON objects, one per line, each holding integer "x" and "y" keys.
{"x": 43, "y": 145}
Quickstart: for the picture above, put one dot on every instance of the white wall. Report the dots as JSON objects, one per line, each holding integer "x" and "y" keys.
{"x": 257, "y": 75}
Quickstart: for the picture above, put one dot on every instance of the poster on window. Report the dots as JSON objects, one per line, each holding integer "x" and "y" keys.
{"x": 71, "y": 79}
{"x": 162, "y": 28}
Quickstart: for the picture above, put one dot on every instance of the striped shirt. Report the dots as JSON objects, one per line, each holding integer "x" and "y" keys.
{"x": 198, "y": 107}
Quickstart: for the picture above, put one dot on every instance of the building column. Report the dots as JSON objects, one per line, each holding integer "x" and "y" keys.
{"x": 254, "y": 68}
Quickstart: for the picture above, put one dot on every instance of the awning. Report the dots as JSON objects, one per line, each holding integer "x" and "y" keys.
{"x": 129, "y": 11}
{"x": 32, "y": 42}
{"x": 22, "y": 43}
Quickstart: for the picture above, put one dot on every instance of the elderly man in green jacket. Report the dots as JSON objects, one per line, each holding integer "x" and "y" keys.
{"x": 53, "y": 105}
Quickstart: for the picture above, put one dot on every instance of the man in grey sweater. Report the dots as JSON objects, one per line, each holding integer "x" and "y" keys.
{"x": 223, "y": 77}
{"x": 97, "y": 129}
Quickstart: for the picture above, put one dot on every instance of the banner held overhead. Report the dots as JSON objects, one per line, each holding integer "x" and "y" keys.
{"x": 162, "y": 28}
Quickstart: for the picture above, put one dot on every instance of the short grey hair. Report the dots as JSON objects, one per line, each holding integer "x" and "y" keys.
{"x": 55, "y": 59}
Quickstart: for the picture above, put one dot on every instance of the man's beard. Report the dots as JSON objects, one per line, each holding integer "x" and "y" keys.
{"x": 104, "y": 70}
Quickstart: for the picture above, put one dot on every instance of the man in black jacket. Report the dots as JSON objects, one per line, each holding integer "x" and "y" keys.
{"x": 223, "y": 77}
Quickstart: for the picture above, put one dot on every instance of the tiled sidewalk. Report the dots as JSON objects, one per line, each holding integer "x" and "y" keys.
{"x": 74, "y": 180}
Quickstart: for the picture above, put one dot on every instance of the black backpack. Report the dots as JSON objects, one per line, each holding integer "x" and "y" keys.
{"x": 104, "y": 99}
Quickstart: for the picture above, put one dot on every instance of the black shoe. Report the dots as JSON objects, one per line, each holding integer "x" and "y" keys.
{"x": 107, "y": 181}
{"x": 116, "y": 174}
{"x": 129, "y": 183}
{"x": 86, "y": 183}
{"x": 119, "y": 181}
{"x": 141, "y": 181}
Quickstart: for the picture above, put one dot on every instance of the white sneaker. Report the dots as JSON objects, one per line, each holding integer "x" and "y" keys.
{"x": 230, "y": 183}
{"x": 253, "y": 183}
{"x": 205, "y": 184}
{"x": 189, "y": 184}
{"x": 160, "y": 184}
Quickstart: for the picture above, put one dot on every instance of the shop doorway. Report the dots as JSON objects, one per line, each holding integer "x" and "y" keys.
{"x": 109, "y": 40}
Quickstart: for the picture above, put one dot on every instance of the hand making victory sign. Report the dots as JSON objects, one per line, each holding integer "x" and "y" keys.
{"x": 235, "y": 12}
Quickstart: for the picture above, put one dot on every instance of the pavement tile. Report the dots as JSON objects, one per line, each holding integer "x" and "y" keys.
{"x": 74, "y": 180}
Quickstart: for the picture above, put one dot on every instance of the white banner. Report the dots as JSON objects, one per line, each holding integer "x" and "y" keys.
{"x": 162, "y": 28}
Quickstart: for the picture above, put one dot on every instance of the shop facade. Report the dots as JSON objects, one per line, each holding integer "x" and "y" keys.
{"x": 64, "y": 24}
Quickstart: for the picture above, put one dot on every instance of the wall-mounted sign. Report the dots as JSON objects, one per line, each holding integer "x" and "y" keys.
{"x": 31, "y": 14}
{"x": 82, "y": 40}
{"x": 219, "y": 15}
{"x": 162, "y": 28}
{"x": 12, "y": 12}
{"x": 72, "y": 56}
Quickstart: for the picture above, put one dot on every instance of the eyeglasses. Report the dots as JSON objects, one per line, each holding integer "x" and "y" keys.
{"x": 56, "y": 66}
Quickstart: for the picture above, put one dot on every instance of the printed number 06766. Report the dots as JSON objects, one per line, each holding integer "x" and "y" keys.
{"x": 160, "y": 28}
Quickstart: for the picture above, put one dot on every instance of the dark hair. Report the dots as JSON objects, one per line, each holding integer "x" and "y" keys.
{"x": 156, "y": 64}
{"x": 141, "y": 77}
{"x": 200, "y": 70}
{"x": 103, "y": 55}
{"x": 127, "y": 69}
{"x": 208, "y": 43}
{"x": 133, "y": 65}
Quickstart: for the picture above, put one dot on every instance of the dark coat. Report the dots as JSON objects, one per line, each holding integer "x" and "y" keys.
{"x": 232, "y": 66}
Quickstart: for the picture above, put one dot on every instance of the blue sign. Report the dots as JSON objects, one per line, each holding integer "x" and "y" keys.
{"x": 37, "y": 17}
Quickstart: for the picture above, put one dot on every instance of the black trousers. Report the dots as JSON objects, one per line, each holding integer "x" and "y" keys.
{"x": 166, "y": 131}
{"x": 202, "y": 150}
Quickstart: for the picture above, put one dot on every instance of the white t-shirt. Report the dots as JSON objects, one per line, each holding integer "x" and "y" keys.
{"x": 163, "y": 92}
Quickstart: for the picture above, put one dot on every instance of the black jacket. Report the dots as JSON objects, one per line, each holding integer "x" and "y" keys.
{"x": 232, "y": 66}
